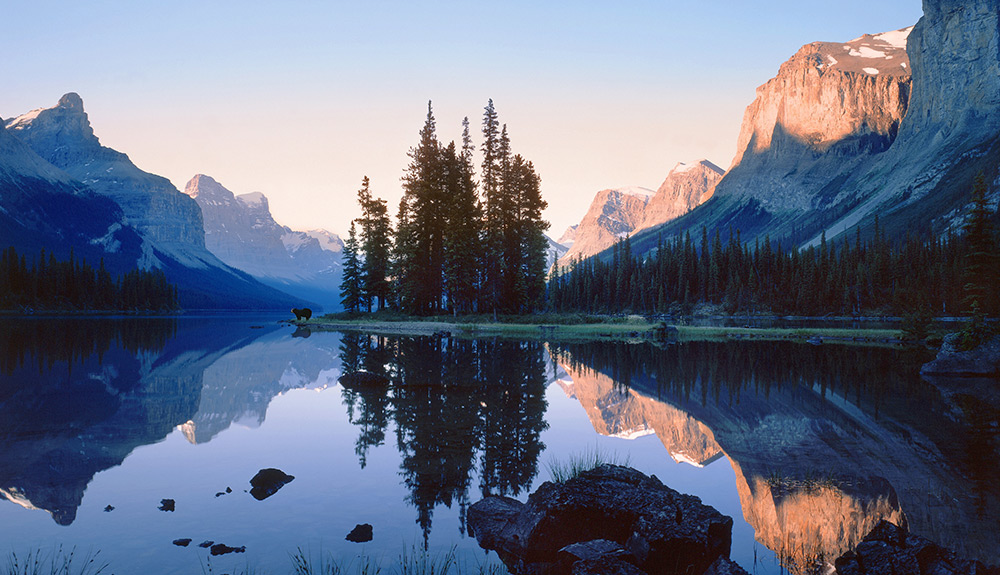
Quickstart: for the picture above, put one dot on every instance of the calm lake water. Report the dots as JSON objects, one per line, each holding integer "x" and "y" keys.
{"x": 806, "y": 447}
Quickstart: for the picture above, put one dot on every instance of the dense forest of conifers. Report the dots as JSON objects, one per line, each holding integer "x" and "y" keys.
{"x": 459, "y": 246}
{"x": 952, "y": 275}
{"x": 44, "y": 283}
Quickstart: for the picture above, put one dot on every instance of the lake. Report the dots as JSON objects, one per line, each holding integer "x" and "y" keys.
{"x": 805, "y": 447}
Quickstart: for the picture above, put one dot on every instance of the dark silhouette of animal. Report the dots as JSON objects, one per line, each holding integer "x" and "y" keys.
{"x": 302, "y": 313}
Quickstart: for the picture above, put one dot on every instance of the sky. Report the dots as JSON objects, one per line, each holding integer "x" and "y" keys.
{"x": 300, "y": 100}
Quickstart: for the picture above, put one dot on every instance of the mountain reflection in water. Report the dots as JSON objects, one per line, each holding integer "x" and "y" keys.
{"x": 825, "y": 441}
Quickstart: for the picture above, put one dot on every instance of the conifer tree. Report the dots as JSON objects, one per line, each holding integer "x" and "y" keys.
{"x": 979, "y": 275}
{"x": 376, "y": 235}
{"x": 352, "y": 283}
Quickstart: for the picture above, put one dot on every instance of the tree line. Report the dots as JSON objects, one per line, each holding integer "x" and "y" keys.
{"x": 459, "y": 245}
{"x": 46, "y": 283}
{"x": 952, "y": 275}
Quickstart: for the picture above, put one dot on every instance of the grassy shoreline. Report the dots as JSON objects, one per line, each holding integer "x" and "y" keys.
{"x": 614, "y": 329}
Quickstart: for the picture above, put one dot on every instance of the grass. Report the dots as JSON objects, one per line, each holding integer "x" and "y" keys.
{"x": 581, "y": 327}
{"x": 562, "y": 471}
{"x": 35, "y": 562}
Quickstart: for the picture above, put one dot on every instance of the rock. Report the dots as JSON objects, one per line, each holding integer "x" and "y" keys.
{"x": 890, "y": 549}
{"x": 206, "y": 544}
{"x": 267, "y": 482}
{"x": 662, "y": 530}
{"x": 109, "y": 508}
{"x": 223, "y": 549}
{"x": 182, "y": 542}
{"x": 166, "y": 505}
{"x": 363, "y": 379}
{"x": 724, "y": 566}
{"x": 983, "y": 360}
{"x": 605, "y": 566}
{"x": 360, "y": 534}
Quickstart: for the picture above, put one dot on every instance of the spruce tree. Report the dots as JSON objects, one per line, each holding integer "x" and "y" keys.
{"x": 979, "y": 274}
{"x": 353, "y": 279}
{"x": 376, "y": 235}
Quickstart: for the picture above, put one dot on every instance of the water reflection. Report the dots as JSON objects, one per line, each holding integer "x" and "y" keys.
{"x": 453, "y": 402}
{"x": 825, "y": 440}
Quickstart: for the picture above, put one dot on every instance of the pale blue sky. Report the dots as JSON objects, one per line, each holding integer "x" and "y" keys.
{"x": 299, "y": 100}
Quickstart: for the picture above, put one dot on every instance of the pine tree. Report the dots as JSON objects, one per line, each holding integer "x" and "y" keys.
{"x": 463, "y": 216}
{"x": 979, "y": 275}
{"x": 376, "y": 235}
{"x": 353, "y": 280}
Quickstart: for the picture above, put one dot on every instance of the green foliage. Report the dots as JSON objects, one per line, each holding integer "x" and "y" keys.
{"x": 563, "y": 470}
{"x": 976, "y": 331}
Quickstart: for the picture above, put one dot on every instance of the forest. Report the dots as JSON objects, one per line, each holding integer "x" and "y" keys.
{"x": 948, "y": 276}
{"x": 459, "y": 245}
{"x": 45, "y": 283}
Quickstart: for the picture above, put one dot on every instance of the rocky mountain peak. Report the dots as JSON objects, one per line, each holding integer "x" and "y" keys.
{"x": 687, "y": 186}
{"x": 67, "y": 121}
{"x": 254, "y": 201}
{"x": 205, "y": 187}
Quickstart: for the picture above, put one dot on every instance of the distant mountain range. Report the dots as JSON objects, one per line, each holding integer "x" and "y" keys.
{"x": 241, "y": 231}
{"x": 62, "y": 190}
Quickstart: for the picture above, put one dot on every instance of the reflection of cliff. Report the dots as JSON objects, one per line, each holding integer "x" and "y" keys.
{"x": 238, "y": 387}
{"x": 78, "y": 396}
{"x": 825, "y": 441}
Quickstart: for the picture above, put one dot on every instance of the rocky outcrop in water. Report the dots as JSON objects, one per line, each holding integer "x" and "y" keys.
{"x": 660, "y": 530}
{"x": 983, "y": 360}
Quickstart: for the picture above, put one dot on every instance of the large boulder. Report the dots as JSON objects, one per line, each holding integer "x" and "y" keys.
{"x": 982, "y": 360}
{"x": 660, "y": 530}
{"x": 890, "y": 549}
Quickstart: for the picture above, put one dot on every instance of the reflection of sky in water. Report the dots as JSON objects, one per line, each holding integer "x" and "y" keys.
{"x": 243, "y": 374}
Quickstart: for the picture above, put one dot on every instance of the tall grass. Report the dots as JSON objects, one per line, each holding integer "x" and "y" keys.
{"x": 35, "y": 562}
{"x": 562, "y": 471}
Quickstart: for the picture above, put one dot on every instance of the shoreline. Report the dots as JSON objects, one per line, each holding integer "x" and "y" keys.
{"x": 631, "y": 331}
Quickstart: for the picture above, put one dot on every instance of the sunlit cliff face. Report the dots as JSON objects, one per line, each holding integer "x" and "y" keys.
{"x": 829, "y": 92}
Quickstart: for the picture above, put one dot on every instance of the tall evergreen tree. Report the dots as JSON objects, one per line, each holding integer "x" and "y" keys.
{"x": 376, "y": 237}
{"x": 979, "y": 275}
{"x": 463, "y": 216}
{"x": 351, "y": 286}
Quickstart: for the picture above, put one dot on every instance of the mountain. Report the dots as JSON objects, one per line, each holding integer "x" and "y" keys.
{"x": 241, "y": 231}
{"x": 894, "y": 126}
{"x": 42, "y": 206}
{"x": 686, "y": 187}
{"x": 169, "y": 223}
{"x": 618, "y": 213}
{"x": 613, "y": 214}
{"x": 554, "y": 252}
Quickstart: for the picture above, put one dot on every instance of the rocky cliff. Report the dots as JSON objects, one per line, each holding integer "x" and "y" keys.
{"x": 613, "y": 214}
{"x": 241, "y": 231}
{"x": 686, "y": 187}
{"x": 169, "y": 222}
{"x": 621, "y": 212}
{"x": 896, "y": 125}
{"x": 42, "y": 206}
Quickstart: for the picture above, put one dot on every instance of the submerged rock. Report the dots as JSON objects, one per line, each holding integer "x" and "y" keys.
{"x": 267, "y": 482}
{"x": 109, "y": 508}
{"x": 890, "y": 549}
{"x": 223, "y": 549}
{"x": 361, "y": 534}
{"x": 657, "y": 529}
{"x": 206, "y": 544}
{"x": 981, "y": 360}
{"x": 166, "y": 505}
{"x": 182, "y": 542}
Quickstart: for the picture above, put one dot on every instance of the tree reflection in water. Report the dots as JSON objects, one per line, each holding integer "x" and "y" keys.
{"x": 454, "y": 402}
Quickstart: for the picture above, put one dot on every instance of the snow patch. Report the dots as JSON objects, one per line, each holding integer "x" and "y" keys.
{"x": 831, "y": 60}
{"x": 872, "y": 71}
{"x": 636, "y": 191}
{"x": 681, "y": 457}
{"x": 328, "y": 240}
{"x": 631, "y": 434}
{"x": 866, "y": 52}
{"x": 24, "y": 120}
{"x": 253, "y": 199}
{"x": 896, "y": 38}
